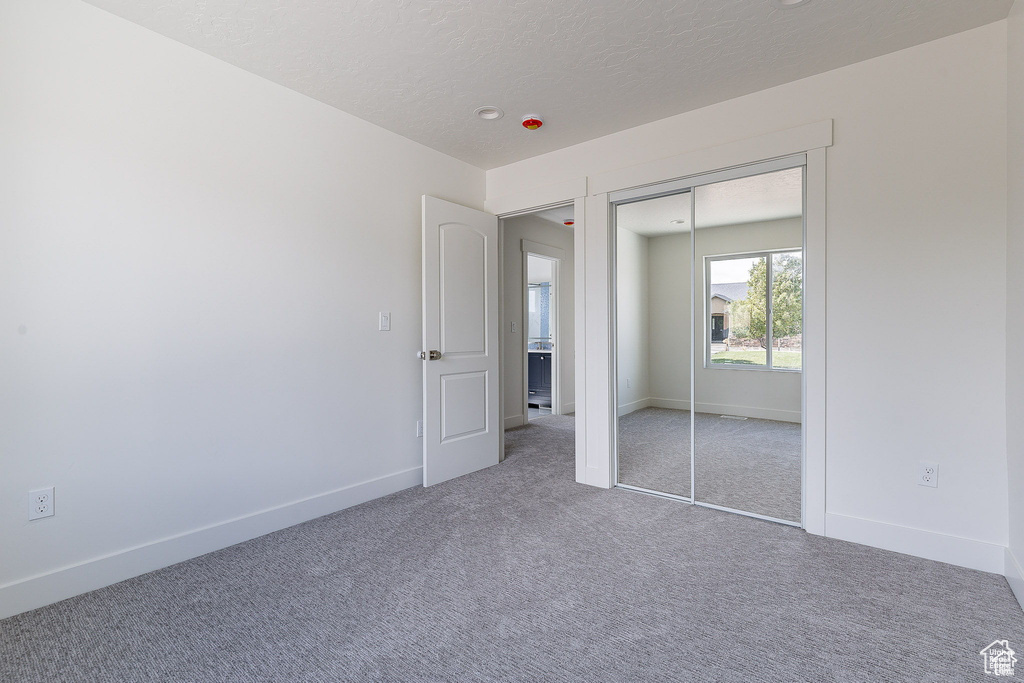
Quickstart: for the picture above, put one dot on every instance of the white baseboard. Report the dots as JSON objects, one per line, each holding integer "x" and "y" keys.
{"x": 43, "y": 589}
{"x": 713, "y": 408}
{"x": 515, "y": 421}
{"x": 627, "y": 408}
{"x": 671, "y": 403}
{"x": 964, "y": 552}
{"x": 1014, "y": 574}
{"x": 750, "y": 411}
{"x": 568, "y": 408}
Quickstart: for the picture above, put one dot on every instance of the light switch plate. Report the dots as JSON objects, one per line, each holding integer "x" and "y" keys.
{"x": 385, "y": 321}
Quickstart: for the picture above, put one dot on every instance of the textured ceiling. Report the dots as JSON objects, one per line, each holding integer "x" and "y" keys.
{"x": 557, "y": 215}
{"x": 588, "y": 67}
{"x": 765, "y": 197}
{"x": 653, "y": 217}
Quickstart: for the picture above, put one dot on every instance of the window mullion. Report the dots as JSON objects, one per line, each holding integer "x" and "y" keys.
{"x": 769, "y": 313}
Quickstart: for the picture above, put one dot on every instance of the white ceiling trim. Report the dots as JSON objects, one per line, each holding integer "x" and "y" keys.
{"x": 730, "y": 155}
{"x": 790, "y": 141}
{"x": 537, "y": 198}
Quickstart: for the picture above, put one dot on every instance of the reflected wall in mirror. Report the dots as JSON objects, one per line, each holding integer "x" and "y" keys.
{"x": 653, "y": 351}
{"x": 748, "y": 343}
{"x": 541, "y": 324}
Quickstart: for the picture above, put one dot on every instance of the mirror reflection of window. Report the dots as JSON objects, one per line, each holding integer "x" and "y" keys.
{"x": 787, "y": 310}
{"x": 738, "y": 306}
{"x": 743, "y": 328}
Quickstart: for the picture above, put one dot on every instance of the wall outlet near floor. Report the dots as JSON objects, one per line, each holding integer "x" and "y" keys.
{"x": 515, "y": 327}
{"x": 40, "y": 503}
{"x": 629, "y": 383}
{"x": 419, "y": 427}
{"x": 928, "y": 474}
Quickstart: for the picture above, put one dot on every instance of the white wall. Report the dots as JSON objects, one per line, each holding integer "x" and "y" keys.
{"x": 909, "y": 126}
{"x": 193, "y": 260}
{"x": 668, "y": 277}
{"x": 633, "y": 320}
{"x": 1015, "y": 297}
{"x": 534, "y": 229}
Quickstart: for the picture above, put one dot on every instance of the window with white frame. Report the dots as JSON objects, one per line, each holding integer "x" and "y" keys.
{"x": 754, "y": 305}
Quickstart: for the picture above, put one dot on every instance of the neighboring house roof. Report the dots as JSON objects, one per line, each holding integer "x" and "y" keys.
{"x": 730, "y": 291}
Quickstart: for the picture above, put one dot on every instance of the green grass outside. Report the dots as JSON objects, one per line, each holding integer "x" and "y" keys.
{"x": 789, "y": 360}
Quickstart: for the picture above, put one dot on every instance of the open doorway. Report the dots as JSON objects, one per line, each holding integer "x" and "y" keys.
{"x": 538, "y": 365}
{"x": 541, "y": 327}
{"x": 477, "y": 336}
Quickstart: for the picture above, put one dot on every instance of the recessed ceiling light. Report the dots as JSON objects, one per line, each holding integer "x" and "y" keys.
{"x": 678, "y": 221}
{"x": 789, "y": 4}
{"x": 489, "y": 113}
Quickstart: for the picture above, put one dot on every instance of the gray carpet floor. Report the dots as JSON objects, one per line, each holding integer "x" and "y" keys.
{"x": 516, "y": 573}
{"x": 751, "y": 465}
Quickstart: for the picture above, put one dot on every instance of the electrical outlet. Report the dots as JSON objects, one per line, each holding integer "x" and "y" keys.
{"x": 515, "y": 327}
{"x": 928, "y": 474}
{"x": 629, "y": 383}
{"x": 40, "y": 503}
{"x": 419, "y": 427}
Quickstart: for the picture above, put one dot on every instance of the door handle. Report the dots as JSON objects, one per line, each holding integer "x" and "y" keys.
{"x": 430, "y": 355}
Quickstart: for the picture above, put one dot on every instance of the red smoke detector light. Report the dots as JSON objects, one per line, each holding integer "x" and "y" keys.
{"x": 532, "y": 122}
{"x": 569, "y": 223}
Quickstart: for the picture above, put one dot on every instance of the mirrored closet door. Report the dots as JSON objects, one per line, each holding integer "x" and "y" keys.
{"x": 653, "y": 258}
{"x": 709, "y": 316}
{"x": 747, "y": 384}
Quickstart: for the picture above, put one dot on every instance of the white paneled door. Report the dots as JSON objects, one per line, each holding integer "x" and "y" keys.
{"x": 460, "y": 341}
